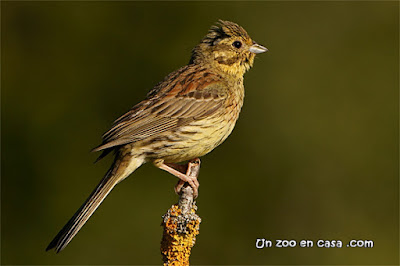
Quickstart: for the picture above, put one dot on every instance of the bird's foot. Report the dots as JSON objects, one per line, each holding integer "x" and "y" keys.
{"x": 177, "y": 170}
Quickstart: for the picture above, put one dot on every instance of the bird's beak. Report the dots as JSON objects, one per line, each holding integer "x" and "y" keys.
{"x": 257, "y": 49}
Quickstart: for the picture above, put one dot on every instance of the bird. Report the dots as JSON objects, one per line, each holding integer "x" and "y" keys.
{"x": 184, "y": 117}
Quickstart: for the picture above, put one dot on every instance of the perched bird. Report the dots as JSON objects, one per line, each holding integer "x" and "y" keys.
{"x": 187, "y": 115}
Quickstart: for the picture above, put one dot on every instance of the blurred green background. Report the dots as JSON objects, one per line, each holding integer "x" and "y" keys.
{"x": 314, "y": 154}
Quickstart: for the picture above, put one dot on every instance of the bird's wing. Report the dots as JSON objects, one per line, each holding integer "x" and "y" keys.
{"x": 172, "y": 105}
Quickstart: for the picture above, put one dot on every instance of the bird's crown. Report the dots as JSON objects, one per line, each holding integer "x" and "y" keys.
{"x": 224, "y": 29}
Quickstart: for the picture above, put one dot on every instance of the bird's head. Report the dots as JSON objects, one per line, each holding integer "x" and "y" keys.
{"x": 228, "y": 47}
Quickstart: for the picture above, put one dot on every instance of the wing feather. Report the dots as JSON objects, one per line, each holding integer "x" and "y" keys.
{"x": 167, "y": 109}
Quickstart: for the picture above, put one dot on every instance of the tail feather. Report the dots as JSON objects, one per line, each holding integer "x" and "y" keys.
{"x": 120, "y": 169}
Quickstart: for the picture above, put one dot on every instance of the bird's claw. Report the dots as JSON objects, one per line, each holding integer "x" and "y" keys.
{"x": 191, "y": 180}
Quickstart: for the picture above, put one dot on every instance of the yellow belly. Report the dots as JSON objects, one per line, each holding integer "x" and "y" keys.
{"x": 188, "y": 142}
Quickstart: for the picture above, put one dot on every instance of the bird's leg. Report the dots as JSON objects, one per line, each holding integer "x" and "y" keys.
{"x": 183, "y": 168}
{"x": 176, "y": 169}
{"x": 179, "y": 167}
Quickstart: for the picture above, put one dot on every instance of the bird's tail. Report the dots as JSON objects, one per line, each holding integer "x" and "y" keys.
{"x": 120, "y": 169}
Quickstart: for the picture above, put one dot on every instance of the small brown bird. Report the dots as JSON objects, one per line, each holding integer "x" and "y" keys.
{"x": 184, "y": 117}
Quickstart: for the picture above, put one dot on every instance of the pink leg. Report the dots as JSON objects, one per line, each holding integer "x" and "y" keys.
{"x": 172, "y": 169}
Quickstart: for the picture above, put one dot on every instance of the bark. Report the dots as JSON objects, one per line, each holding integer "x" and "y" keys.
{"x": 181, "y": 224}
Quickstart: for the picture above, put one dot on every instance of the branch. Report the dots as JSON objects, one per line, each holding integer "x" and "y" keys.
{"x": 181, "y": 224}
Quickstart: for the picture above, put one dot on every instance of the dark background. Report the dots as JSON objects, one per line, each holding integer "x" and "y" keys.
{"x": 314, "y": 154}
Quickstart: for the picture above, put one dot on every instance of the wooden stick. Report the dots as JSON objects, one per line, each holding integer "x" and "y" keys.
{"x": 181, "y": 224}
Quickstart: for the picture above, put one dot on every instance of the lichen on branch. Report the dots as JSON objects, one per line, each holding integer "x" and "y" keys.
{"x": 181, "y": 224}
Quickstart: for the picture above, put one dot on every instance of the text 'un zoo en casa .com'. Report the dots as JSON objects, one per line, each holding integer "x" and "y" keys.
{"x": 284, "y": 243}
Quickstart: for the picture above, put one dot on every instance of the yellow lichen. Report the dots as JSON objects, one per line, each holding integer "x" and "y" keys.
{"x": 179, "y": 236}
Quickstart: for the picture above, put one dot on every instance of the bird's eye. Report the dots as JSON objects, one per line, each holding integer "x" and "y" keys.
{"x": 237, "y": 44}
